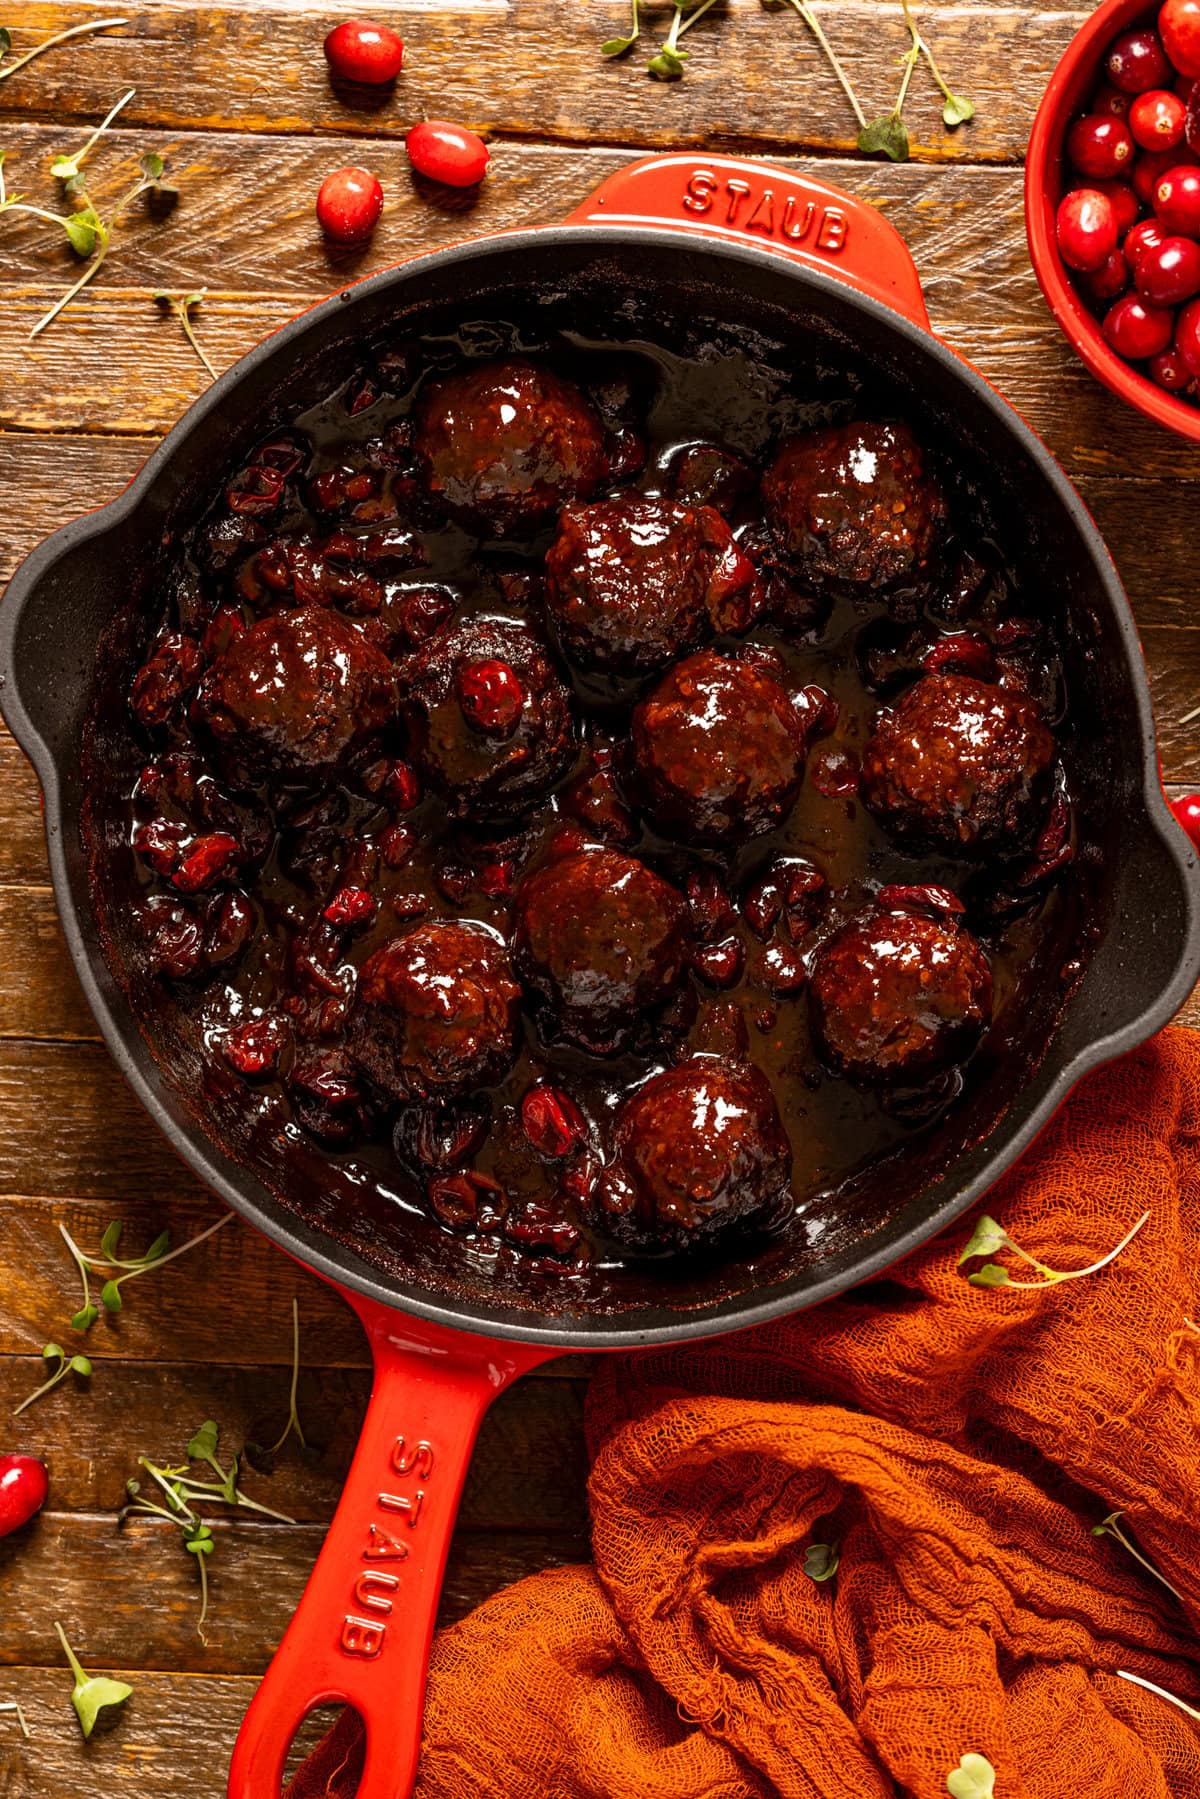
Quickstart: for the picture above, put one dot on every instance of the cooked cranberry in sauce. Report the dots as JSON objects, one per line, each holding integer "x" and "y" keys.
{"x": 551, "y": 791}
{"x": 961, "y": 763}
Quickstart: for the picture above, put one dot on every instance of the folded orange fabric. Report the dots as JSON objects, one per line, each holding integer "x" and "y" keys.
{"x": 957, "y": 1445}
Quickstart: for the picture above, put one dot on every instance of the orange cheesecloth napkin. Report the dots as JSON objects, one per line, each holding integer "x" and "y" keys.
{"x": 956, "y": 1445}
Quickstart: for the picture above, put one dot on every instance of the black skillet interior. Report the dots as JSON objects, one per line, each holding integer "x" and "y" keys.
{"x": 1141, "y": 947}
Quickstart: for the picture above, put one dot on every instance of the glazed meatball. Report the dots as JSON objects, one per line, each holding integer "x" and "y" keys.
{"x": 296, "y": 694}
{"x": 898, "y": 996}
{"x": 960, "y": 764}
{"x": 697, "y": 1149}
{"x": 436, "y": 1012}
{"x": 599, "y": 940}
{"x": 719, "y": 750}
{"x": 854, "y": 509}
{"x": 633, "y": 583}
{"x": 505, "y": 444}
{"x": 489, "y": 719}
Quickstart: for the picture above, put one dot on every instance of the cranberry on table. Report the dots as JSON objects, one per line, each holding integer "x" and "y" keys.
{"x": 1177, "y": 201}
{"x": 447, "y": 152}
{"x": 599, "y": 941}
{"x": 1085, "y": 228}
{"x": 1099, "y": 145}
{"x": 719, "y": 749}
{"x": 1135, "y": 62}
{"x": 1157, "y": 120}
{"x": 436, "y": 1012}
{"x": 1179, "y": 24}
{"x": 490, "y": 719}
{"x": 358, "y": 50}
{"x": 854, "y": 508}
{"x": 1170, "y": 274}
{"x": 958, "y": 763}
{"x": 505, "y": 444}
{"x": 634, "y": 582}
{"x": 697, "y": 1150}
{"x": 898, "y": 996}
{"x": 24, "y": 1484}
{"x": 349, "y": 203}
{"x": 1187, "y": 337}
{"x": 1135, "y": 329}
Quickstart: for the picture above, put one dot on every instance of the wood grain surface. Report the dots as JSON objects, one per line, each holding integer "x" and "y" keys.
{"x": 238, "y": 98}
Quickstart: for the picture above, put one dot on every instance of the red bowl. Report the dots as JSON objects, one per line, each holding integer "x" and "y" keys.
{"x": 1070, "y": 86}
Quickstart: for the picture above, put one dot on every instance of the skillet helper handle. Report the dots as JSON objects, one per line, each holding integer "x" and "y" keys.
{"x": 770, "y": 208}
{"x": 362, "y": 1632}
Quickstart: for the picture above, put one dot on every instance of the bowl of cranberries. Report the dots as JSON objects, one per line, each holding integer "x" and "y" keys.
{"x": 1112, "y": 204}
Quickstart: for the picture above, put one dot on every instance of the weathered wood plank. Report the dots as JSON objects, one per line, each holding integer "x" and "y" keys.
{"x": 533, "y": 69}
{"x": 40, "y": 995}
{"x": 128, "y": 1596}
{"x": 528, "y": 1471}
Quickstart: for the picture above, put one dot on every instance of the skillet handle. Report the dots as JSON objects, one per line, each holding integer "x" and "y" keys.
{"x": 760, "y": 204}
{"x": 362, "y": 1631}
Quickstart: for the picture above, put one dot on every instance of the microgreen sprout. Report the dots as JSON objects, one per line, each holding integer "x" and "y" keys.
{"x": 106, "y": 1262}
{"x": 617, "y": 46}
{"x": 181, "y": 305}
{"x": 956, "y": 108}
{"x": 293, "y": 1419}
{"x": 1171, "y": 1698}
{"x": 821, "y": 1561}
{"x": 889, "y": 134}
{"x": 1111, "y": 1527}
{"x": 93, "y": 1693}
{"x": 182, "y": 1492}
{"x": 814, "y": 25}
{"x": 49, "y": 43}
{"x": 668, "y": 63}
{"x": 66, "y": 168}
{"x": 10, "y": 1705}
{"x": 988, "y": 1238}
{"x": 73, "y": 1364}
{"x": 974, "y": 1778}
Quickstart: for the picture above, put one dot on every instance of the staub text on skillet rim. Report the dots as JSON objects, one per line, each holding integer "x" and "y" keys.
{"x": 365, "y": 1624}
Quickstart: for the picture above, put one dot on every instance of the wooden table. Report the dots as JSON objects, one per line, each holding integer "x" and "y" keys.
{"x": 238, "y": 99}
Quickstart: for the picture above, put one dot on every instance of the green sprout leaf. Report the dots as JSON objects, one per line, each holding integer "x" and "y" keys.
{"x": 79, "y": 1364}
{"x": 887, "y": 136}
{"x": 64, "y": 168}
{"x": 85, "y": 1317}
{"x": 5, "y": 42}
{"x": 668, "y": 64}
{"x": 986, "y": 1239}
{"x": 158, "y": 1248}
{"x": 990, "y": 1275}
{"x": 53, "y": 1352}
{"x": 93, "y": 1693}
{"x": 110, "y": 1296}
{"x": 110, "y": 1242}
{"x": 974, "y": 1778}
{"x": 821, "y": 1561}
{"x": 957, "y": 110}
{"x": 151, "y": 164}
{"x": 83, "y": 229}
{"x": 203, "y": 1446}
{"x": 617, "y": 46}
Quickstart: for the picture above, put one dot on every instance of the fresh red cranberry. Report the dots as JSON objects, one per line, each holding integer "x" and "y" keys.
{"x": 1086, "y": 228}
{"x": 351, "y": 907}
{"x": 1189, "y": 93}
{"x": 1170, "y": 274}
{"x": 1187, "y": 815}
{"x": 1177, "y": 201}
{"x": 1179, "y": 23}
{"x": 447, "y": 152}
{"x": 1187, "y": 337}
{"x": 207, "y": 859}
{"x": 357, "y": 50}
{"x": 1136, "y": 62}
{"x": 1110, "y": 279}
{"x": 1135, "y": 330}
{"x": 1150, "y": 168}
{"x": 1125, "y": 203}
{"x": 254, "y": 1047}
{"x": 1148, "y": 235}
{"x": 349, "y": 203}
{"x": 24, "y": 1484}
{"x": 1157, "y": 120}
{"x": 491, "y": 697}
{"x": 552, "y": 1122}
{"x": 1099, "y": 145}
{"x": 1110, "y": 101}
{"x": 1169, "y": 371}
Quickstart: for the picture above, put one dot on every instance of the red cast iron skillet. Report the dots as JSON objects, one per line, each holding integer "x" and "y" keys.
{"x": 756, "y": 249}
